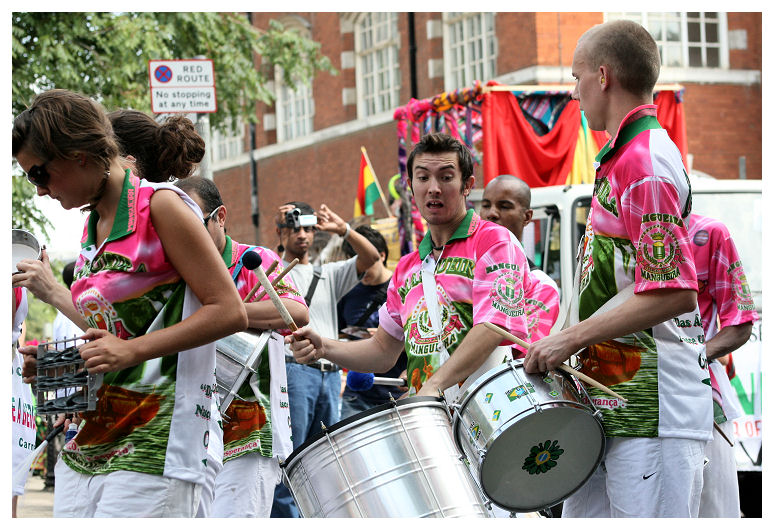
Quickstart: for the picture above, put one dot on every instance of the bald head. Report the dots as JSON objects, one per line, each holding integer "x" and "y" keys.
{"x": 506, "y": 201}
{"x": 628, "y": 50}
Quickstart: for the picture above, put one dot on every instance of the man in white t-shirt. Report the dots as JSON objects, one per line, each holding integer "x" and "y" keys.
{"x": 314, "y": 389}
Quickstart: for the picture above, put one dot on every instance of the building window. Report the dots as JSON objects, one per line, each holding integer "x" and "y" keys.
{"x": 294, "y": 109}
{"x": 692, "y": 40}
{"x": 377, "y": 69}
{"x": 228, "y": 144}
{"x": 470, "y": 48}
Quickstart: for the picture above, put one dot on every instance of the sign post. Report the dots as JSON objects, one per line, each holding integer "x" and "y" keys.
{"x": 182, "y": 86}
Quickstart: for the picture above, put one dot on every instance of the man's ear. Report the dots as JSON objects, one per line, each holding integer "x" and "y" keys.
{"x": 528, "y": 216}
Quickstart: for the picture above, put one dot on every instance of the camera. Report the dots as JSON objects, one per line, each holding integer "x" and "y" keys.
{"x": 295, "y": 220}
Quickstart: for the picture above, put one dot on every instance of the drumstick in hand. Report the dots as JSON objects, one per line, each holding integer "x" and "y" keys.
{"x": 273, "y": 284}
{"x": 284, "y": 313}
{"x": 583, "y": 377}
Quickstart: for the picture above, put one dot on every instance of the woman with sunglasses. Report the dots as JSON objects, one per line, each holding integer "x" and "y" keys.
{"x": 155, "y": 296}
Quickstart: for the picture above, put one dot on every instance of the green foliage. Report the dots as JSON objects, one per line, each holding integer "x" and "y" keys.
{"x": 26, "y": 214}
{"x": 39, "y": 313}
{"x": 106, "y": 55}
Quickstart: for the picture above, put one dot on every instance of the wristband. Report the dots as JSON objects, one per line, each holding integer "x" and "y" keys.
{"x": 346, "y": 234}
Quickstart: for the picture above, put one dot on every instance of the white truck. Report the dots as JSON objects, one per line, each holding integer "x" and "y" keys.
{"x": 551, "y": 241}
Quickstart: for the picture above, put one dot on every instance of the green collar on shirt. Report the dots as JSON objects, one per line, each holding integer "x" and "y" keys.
{"x": 126, "y": 215}
{"x": 464, "y": 231}
{"x": 625, "y": 135}
{"x": 228, "y": 256}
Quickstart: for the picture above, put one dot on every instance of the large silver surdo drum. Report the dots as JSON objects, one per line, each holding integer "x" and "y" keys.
{"x": 394, "y": 460}
{"x": 533, "y": 438}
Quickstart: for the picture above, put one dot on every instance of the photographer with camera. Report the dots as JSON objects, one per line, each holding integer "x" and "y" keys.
{"x": 313, "y": 389}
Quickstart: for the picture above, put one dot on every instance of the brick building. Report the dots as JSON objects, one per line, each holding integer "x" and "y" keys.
{"x": 307, "y": 145}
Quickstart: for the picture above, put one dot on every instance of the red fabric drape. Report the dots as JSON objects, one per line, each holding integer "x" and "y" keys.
{"x": 511, "y": 146}
{"x": 671, "y": 116}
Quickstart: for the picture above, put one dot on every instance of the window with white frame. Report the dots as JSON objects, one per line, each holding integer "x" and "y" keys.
{"x": 685, "y": 39}
{"x": 377, "y": 68}
{"x": 228, "y": 144}
{"x": 470, "y": 48}
{"x": 294, "y": 109}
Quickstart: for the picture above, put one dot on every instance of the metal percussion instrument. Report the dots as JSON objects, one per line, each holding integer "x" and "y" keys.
{"x": 394, "y": 460}
{"x": 236, "y": 358}
{"x": 62, "y": 383}
{"x": 533, "y": 438}
{"x": 23, "y": 246}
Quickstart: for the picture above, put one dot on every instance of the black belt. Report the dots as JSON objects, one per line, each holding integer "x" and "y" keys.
{"x": 322, "y": 365}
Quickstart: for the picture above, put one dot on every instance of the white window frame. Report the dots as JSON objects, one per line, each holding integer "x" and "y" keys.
{"x": 298, "y": 124}
{"x": 229, "y": 144}
{"x": 483, "y": 68}
{"x": 371, "y": 102}
{"x": 644, "y": 18}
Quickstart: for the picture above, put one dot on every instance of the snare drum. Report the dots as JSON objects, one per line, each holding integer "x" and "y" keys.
{"x": 531, "y": 437}
{"x": 23, "y": 246}
{"x": 236, "y": 358}
{"x": 394, "y": 460}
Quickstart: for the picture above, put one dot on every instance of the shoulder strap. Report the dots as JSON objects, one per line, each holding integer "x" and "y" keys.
{"x": 317, "y": 273}
{"x": 379, "y": 298}
{"x": 239, "y": 264}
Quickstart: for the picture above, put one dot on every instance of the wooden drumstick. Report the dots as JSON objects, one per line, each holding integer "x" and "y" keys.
{"x": 273, "y": 284}
{"x": 275, "y": 299}
{"x": 583, "y": 377}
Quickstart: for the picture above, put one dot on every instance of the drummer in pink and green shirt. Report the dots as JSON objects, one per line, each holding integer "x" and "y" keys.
{"x": 474, "y": 270}
{"x": 245, "y": 453}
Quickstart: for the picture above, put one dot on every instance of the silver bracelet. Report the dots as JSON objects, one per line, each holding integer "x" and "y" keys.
{"x": 346, "y": 234}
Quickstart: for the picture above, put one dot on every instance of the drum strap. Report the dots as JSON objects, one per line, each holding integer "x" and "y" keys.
{"x": 436, "y": 323}
{"x": 317, "y": 273}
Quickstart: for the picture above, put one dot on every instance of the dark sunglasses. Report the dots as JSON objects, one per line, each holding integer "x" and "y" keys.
{"x": 38, "y": 175}
{"x": 212, "y": 213}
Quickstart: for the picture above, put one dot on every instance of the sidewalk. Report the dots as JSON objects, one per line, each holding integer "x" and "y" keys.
{"x": 36, "y": 501}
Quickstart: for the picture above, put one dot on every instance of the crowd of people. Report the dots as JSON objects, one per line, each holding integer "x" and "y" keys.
{"x": 159, "y": 444}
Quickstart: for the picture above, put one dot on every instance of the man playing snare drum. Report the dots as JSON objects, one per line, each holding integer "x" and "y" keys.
{"x": 467, "y": 271}
{"x": 636, "y": 257}
{"x": 256, "y": 429}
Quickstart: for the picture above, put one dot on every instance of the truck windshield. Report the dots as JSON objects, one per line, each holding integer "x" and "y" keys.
{"x": 741, "y": 213}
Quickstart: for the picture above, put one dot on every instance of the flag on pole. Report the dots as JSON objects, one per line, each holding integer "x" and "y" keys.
{"x": 367, "y": 189}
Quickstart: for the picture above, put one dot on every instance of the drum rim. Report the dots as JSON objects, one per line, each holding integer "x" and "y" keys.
{"x": 357, "y": 417}
{"x": 20, "y": 236}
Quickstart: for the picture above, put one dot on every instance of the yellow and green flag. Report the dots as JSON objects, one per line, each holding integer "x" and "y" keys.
{"x": 367, "y": 189}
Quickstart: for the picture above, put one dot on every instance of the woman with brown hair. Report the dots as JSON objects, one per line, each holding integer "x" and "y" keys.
{"x": 147, "y": 272}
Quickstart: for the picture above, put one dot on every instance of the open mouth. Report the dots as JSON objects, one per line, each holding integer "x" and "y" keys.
{"x": 433, "y": 205}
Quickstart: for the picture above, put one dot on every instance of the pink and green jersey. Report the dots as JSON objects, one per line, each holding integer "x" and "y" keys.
{"x": 154, "y": 417}
{"x": 541, "y": 305}
{"x": 250, "y": 428}
{"x": 637, "y": 233}
{"x": 724, "y": 296}
{"x": 480, "y": 277}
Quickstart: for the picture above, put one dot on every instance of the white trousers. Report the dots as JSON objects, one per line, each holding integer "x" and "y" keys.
{"x": 121, "y": 494}
{"x": 245, "y": 486}
{"x": 720, "y": 494}
{"x": 642, "y": 477}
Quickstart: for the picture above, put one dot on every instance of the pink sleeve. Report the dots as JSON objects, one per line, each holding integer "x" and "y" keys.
{"x": 664, "y": 258}
{"x": 387, "y": 323}
{"x": 499, "y": 280}
{"x": 728, "y": 284}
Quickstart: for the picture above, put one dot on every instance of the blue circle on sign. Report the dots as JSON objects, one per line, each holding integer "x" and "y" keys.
{"x": 163, "y": 74}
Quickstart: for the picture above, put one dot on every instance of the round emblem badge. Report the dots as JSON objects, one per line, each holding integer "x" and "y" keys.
{"x": 659, "y": 254}
{"x": 701, "y": 237}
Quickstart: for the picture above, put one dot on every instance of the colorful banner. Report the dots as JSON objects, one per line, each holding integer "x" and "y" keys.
{"x": 544, "y": 139}
{"x": 367, "y": 191}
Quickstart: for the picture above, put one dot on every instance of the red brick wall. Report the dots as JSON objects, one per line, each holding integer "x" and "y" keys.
{"x": 751, "y": 57}
{"x": 723, "y": 122}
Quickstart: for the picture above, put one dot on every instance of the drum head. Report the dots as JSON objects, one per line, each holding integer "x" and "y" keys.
{"x": 542, "y": 460}
{"x": 23, "y": 246}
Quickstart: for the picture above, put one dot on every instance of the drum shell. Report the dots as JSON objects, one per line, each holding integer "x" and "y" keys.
{"x": 237, "y": 356}
{"x": 370, "y": 466}
{"x": 23, "y": 246}
{"x": 497, "y": 426}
